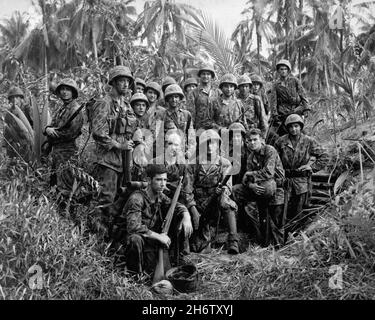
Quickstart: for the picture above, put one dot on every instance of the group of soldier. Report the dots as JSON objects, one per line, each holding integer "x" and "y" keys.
{"x": 245, "y": 161}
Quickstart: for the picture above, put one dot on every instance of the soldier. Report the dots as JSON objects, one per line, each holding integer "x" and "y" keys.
{"x": 227, "y": 109}
{"x": 141, "y": 221}
{"x": 287, "y": 97}
{"x": 176, "y": 118}
{"x": 189, "y": 85}
{"x": 254, "y": 109}
{"x": 297, "y": 152}
{"x": 259, "y": 90}
{"x": 140, "y": 85}
{"x": 62, "y": 134}
{"x": 262, "y": 183}
{"x": 211, "y": 198}
{"x": 199, "y": 100}
{"x": 113, "y": 125}
{"x": 167, "y": 81}
{"x": 17, "y": 98}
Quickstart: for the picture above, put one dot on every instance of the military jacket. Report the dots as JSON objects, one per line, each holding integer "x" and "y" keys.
{"x": 199, "y": 104}
{"x": 226, "y": 112}
{"x": 295, "y": 157}
{"x": 288, "y": 97}
{"x": 113, "y": 121}
{"x": 140, "y": 215}
{"x": 254, "y": 112}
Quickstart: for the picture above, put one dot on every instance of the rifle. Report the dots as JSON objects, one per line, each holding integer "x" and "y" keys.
{"x": 126, "y": 165}
{"x": 159, "y": 270}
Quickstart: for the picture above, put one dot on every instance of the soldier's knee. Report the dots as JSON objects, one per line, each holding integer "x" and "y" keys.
{"x": 135, "y": 241}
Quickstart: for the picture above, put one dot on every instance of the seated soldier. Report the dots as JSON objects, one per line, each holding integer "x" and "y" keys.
{"x": 262, "y": 183}
{"x": 139, "y": 224}
{"x": 212, "y": 198}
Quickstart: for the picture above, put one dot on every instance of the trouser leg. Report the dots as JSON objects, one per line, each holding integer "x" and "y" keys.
{"x": 232, "y": 232}
{"x": 294, "y": 216}
{"x": 276, "y": 228}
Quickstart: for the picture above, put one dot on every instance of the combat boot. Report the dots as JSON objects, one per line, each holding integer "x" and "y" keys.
{"x": 233, "y": 244}
{"x": 233, "y": 236}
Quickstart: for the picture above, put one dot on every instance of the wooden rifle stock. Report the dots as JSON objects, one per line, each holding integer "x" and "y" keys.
{"x": 126, "y": 166}
{"x": 159, "y": 270}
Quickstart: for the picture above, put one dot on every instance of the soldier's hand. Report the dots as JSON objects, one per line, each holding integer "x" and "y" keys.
{"x": 305, "y": 167}
{"x": 164, "y": 240}
{"x": 127, "y": 145}
{"x": 186, "y": 226}
{"x": 260, "y": 190}
{"x": 51, "y": 132}
{"x": 219, "y": 190}
{"x": 195, "y": 217}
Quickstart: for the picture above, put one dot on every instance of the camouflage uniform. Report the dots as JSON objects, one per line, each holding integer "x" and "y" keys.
{"x": 254, "y": 112}
{"x": 225, "y": 112}
{"x": 113, "y": 120}
{"x": 199, "y": 104}
{"x": 286, "y": 97}
{"x": 299, "y": 181}
{"x": 205, "y": 179}
{"x": 136, "y": 219}
{"x": 64, "y": 147}
{"x": 265, "y": 169}
{"x": 178, "y": 119}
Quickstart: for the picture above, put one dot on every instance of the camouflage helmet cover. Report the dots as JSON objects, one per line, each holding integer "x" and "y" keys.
{"x": 228, "y": 78}
{"x": 285, "y": 63}
{"x": 294, "y": 118}
{"x": 120, "y": 71}
{"x": 138, "y": 97}
{"x": 190, "y": 81}
{"x": 244, "y": 79}
{"x": 154, "y": 86}
{"x": 167, "y": 81}
{"x": 15, "y": 91}
{"x": 141, "y": 82}
{"x": 209, "y": 68}
{"x": 174, "y": 89}
{"x": 257, "y": 78}
{"x": 68, "y": 82}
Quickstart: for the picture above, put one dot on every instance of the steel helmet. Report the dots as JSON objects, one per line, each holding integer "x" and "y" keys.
{"x": 174, "y": 89}
{"x": 184, "y": 278}
{"x": 154, "y": 86}
{"x": 228, "y": 78}
{"x": 120, "y": 71}
{"x": 15, "y": 91}
{"x": 209, "y": 68}
{"x": 69, "y": 83}
{"x": 141, "y": 82}
{"x": 190, "y": 81}
{"x": 294, "y": 118}
{"x": 237, "y": 126}
{"x": 167, "y": 81}
{"x": 256, "y": 78}
{"x": 244, "y": 79}
{"x": 138, "y": 97}
{"x": 285, "y": 63}
{"x": 209, "y": 134}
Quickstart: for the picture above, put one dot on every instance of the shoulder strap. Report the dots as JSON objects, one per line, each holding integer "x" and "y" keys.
{"x": 72, "y": 117}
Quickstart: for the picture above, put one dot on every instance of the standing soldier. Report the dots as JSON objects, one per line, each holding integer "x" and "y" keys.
{"x": 297, "y": 152}
{"x": 63, "y": 132}
{"x": 200, "y": 100}
{"x": 287, "y": 97}
{"x": 140, "y": 85}
{"x": 176, "y": 118}
{"x": 190, "y": 84}
{"x": 211, "y": 198}
{"x": 262, "y": 183}
{"x": 259, "y": 90}
{"x": 140, "y": 222}
{"x": 254, "y": 109}
{"x": 227, "y": 109}
{"x": 113, "y": 125}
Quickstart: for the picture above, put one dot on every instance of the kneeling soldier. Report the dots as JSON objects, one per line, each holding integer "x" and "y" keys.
{"x": 141, "y": 220}
{"x": 211, "y": 197}
{"x": 262, "y": 183}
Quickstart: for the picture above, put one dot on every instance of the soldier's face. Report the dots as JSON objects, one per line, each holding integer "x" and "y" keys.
{"x": 174, "y": 100}
{"x": 256, "y": 87}
{"x": 173, "y": 145}
{"x": 139, "y": 108}
{"x": 228, "y": 89}
{"x": 189, "y": 88}
{"x": 15, "y": 101}
{"x": 139, "y": 88}
{"x": 212, "y": 147}
{"x": 205, "y": 77}
{"x": 254, "y": 142}
{"x": 122, "y": 85}
{"x": 294, "y": 129}
{"x": 151, "y": 95}
{"x": 66, "y": 93}
{"x": 244, "y": 89}
{"x": 158, "y": 183}
{"x": 283, "y": 71}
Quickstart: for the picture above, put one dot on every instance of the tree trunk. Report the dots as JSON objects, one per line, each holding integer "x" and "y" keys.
{"x": 93, "y": 42}
{"x": 259, "y": 44}
{"x": 163, "y": 42}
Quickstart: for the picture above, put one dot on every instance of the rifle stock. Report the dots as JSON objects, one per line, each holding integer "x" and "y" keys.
{"x": 159, "y": 273}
